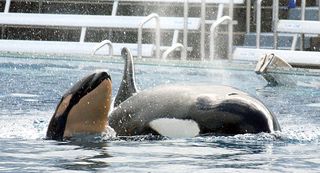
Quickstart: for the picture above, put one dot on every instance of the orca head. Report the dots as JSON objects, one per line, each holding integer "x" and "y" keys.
{"x": 237, "y": 113}
{"x": 83, "y": 109}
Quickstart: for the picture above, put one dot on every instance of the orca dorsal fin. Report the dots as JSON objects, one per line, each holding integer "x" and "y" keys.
{"x": 127, "y": 86}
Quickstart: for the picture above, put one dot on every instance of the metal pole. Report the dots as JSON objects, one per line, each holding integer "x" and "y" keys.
{"x": 275, "y": 17}
{"x": 203, "y": 30}
{"x": 303, "y": 12}
{"x": 185, "y": 30}
{"x": 103, "y": 43}
{"x": 319, "y": 10}
{"x": 171, "y": 49}
{"x": 7, "y": 7}
{"x": 230, "y": 30}
{"x": 115, "y": 8}
{"x": 213, "y": 28}
{"x": 220, "y": 11}
{"x": 158, "y": 37}
{"x": 248, "y": 16}
{"x": 148, "y": 18}
{"x": 113, "y": 13}
{"x": 40, "y": 6}
{"x": 6, "y": 10}
{"x": 258, "y": 27}
{"x": 294, "y": 42}
{"x": 83, "y": 34}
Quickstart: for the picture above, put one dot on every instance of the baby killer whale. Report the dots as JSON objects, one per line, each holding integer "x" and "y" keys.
{"x": 83, "y": 109}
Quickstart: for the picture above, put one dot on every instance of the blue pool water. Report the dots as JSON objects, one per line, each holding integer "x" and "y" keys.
{"x": 31, "y": 87}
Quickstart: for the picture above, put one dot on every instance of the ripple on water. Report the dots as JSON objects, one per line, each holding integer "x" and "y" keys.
{"x": 28, "y": 106}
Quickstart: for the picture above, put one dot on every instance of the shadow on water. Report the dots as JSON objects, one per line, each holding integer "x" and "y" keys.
{"x": 209, "y": 152}
{"x": 90, "y": 156}
{"x": 249, "y": 151}
{"x": 91, "y": 153}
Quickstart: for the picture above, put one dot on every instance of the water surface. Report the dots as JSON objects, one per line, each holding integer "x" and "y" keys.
{"x": 31, "y": 88}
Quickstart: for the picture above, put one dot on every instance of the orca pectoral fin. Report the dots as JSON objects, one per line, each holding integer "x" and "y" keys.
{"x": 127, "y": 87}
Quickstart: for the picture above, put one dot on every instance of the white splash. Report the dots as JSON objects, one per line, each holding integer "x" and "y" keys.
{"x": 314, "y": 105}
{"x": 23, "y": 125}
{"x": 23, "y": 95}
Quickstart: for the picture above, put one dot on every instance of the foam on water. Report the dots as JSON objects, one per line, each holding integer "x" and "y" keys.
{"x": 314, "y": 105}
{"x": 23, "y": 95}
{"x": 23, "y": 125}
{"x": 33, "y": 125}
{"x": 309, "y": 134}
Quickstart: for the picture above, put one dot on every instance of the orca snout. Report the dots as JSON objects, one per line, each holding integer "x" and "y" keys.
{"x": 100, "y": 77}
{"x": 92, "y": 81}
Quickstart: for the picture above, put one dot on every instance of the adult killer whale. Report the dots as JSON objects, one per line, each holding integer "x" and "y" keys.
{"x": 186, "y": 110}
{"x": 83, "y": 109}
{"x": 173, "y": 111}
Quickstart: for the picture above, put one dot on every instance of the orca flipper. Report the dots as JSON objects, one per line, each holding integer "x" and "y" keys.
{"x": 127, "y": 87}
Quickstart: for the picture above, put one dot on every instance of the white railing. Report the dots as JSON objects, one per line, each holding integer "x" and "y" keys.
{"x": 248, "y": 15}
{"x": 115, "y": 7}
{"x": 275, "y": 20}
{"x": 258, "y": 27}
{"x": 230, "y": 29}
{"x": 303, "y": 16}
{"x": 185, "y": 29}
{"x": 83, "y": 34}
{"x": 103, "y": 43}
{"x": 203, "y": 30}
{"x": 219, "y": 15}
{"x": 213, "y": 28}
{"x": 7, "y": 6}
{"x": 258, "y": 20}
{"x": 173, "y": 48}
{"x": 185, "y": 35}
{"x": 294, "y": 42}
{"x": 157, "y": 34}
